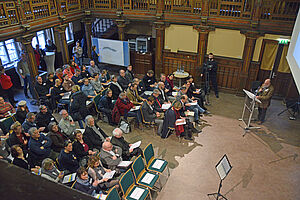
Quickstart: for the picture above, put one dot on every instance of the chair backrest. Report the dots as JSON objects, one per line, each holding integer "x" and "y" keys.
{"x": 148, "y": 153}
{"x": 113, "y": 194}
{"x": 126, "y": 181}
{"x": 7, "y": 123}
{"x": 96, "y": 101}
{"x": 138, "y": 166}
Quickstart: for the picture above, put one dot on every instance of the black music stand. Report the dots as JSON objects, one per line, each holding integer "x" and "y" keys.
{"x": 223, "y": 168}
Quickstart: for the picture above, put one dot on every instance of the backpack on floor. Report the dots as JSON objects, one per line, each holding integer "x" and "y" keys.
{"x": 125, "y": 127}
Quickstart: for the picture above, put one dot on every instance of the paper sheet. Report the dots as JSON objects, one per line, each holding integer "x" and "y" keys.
{"x": 135, "y": 145}
{"x": 109, "y": 175}
{"x": 180, "y": 122}
{"x": 158, "y": 163}
{"x": 88, "y": 102}
{"x": 100, "y": 196}
{"x": 165, "y": 106}
{"x": 136, "y": 108}
{"x": 174, "y": 94}
{"x": 189, "y": 113}
{"x": 193, "y": 103}
{"x": 81, "y": 130}
{"x": 148, "y": 178}
{"x": 137, "y": 193}
{"x": 69, "y": 178}
{"x": 66, "y": 95}
{"x": 148, "y": 93}
{"x": 124, "y": 163}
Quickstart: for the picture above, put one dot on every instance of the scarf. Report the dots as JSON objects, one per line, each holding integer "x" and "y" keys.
{"x": 118, "y": 85}
{"x": 170, "y": 82}
{"x": 53, "y": 173}
{"x": 98, "y": 132}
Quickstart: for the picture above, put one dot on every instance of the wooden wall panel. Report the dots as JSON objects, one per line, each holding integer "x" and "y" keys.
{"x": 140, "y": 62}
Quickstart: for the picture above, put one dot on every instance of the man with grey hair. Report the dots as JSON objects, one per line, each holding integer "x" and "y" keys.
{"x": 111, "y": 155}
{"x": 158, "y": 102}
{"x": 67, "y": 124}
{"x": 163, "y": 92}
{"x": 122, "y": 80}
{"x": 93, "y": 135}
{"x": 93, "y": 68}
{"x": 30, "y": 122}
{"x": 118, "y": 140}
{"x": 39, "y": 147}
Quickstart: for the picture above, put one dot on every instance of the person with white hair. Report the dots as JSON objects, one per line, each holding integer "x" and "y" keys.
{"x": 118, "y": 140}
{"x": 110, "y": 155}
{"x": 50, "y": 172}
{"x": 67, "y": 124}
{"x": 93, "y": 135}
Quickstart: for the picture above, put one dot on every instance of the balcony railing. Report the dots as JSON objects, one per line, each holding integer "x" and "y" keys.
{"x": 14, "y": 12}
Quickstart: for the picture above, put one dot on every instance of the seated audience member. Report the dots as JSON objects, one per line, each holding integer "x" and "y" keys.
{"x": 88, "y": 89}
{"x": 84, "y": 72}
{"x": 84, "y": 184}
{"x": 118, "y": 140}
{"x": 110, "y": 155}
{"x": 140, "y": 87}
{"x": 149, "y": 81}
{"x": 115, "y": 87}
{"x": 4, "y": 152}
{"x": 73, "y": 66}
{"x": 42, "y": 90}
{"x": 93, "y": 68}
{"x": 195, "y": 108}
{"x": 81, "y": 149}
{"x": 158, "y": 102}
{"x": 5, "y": 108}
{"x": 59, "y": 74}
{"x": 106, "y": 106}
{"x": 169, "y": 124}
{"x": 105, "y": 77}
{"x": 67, "y": 84}
{"x": 67, "y": 71}
{"x": 58, "y": 92}
{"x": 30, "y": 122}
{"x": 50, "y": 82}
{"x": 57, "y": 137}
{"x": 163, "y": 92}
{"x": 18, "y": 137}
{"x": 44, "y": 117}
{"x": 96, "y": 172}
{"x": 22, "y": 111}
{"x": 78, "y": 109}
{"x": 169, "y": 84}
{"x": 150, "y": 115}
{"x": 39, "y": 146}
{"x": 122, "y": 80}
{"x": 77, "y": 79}
{"x": 50, "y": 172}
{"x": 133, "y": 95}
{"x": 67, "y": 160}
{"x": 129, "y": 74}
{"x": 93, "y": 135}
{"x": 19, "y": 159}
{"x": 67, "y": 124}
{"x": 122, "y": 108}
{"x": 96, "y": 83}
{"x": 195, "y": 94}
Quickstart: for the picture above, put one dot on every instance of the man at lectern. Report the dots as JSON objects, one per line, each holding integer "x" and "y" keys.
{"x": 264, "y": 94}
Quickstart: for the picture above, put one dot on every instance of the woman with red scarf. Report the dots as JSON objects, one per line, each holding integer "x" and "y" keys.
{"x": 6, "y": 85}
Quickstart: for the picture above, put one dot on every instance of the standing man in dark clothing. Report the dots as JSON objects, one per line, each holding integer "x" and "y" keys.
{"x": 50, "y": 46}
{"x": 211, "y": 67}
{"x": 149, "y": 81}
{"x": 95, "y": 56}
{"x": 23, "y": 71}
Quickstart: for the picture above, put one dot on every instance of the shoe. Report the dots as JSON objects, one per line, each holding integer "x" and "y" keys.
{"x": 259, "y": 123}
{"x": 197, "y": 122}
{"x": 217, "y": 95}
{"x": 188, "y": 138}
{"x": 27, "y": 97}
{"x": 206, "y": 112}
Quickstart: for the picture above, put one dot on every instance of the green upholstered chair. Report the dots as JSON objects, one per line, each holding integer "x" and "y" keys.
{"x": 113, "y": 194}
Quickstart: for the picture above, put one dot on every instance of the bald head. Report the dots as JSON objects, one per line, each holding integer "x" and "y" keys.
{"x": 267, "y": 82}
{"x": 107, "y": 146}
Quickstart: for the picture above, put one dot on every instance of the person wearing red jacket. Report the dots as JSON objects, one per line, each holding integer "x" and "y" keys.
{"x": 124, "y": 105}
{"x": 6, "y": 84}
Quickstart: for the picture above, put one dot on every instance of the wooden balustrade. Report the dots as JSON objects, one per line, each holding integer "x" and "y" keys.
{"x": 183, "y": 6}
{"x": 105, "y": 4}
{"x": 8, "y": 13}
{"x": 280, "y": 10}
{"x": 231, "y": 8}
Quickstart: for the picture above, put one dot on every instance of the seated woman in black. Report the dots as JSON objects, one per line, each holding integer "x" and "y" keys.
{"x": 83, "y": 183}
{"x": 18, "y": 137}
{"x": 20, "y": 161}
{"x": 81, "y": 149}
{"x": 67, "y": 160}
{"x": 57, "y": 137}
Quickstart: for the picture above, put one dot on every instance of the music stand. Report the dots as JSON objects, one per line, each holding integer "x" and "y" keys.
{"x": 223, "y": 168}
{"x": 249, "y": 106}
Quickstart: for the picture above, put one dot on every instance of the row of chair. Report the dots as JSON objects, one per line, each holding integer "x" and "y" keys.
{"x": 132, "y": 178}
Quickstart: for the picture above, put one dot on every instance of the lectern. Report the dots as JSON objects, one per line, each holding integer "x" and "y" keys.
{"x": 249, "y": 106}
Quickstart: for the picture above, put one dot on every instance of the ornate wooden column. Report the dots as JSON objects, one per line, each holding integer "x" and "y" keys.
{"x": 249, "y": 47}
{"x": 159, "y": 46}
{"x": 121, "y": 28}
{"x": 202, "y": 42}
{"x": 88, "y": 35}
{"x": 160, "y": 5}
{"x": 63, "y": 42}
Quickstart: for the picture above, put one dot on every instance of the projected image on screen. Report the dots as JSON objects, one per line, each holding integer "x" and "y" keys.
{"x": 296, "y": 53}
